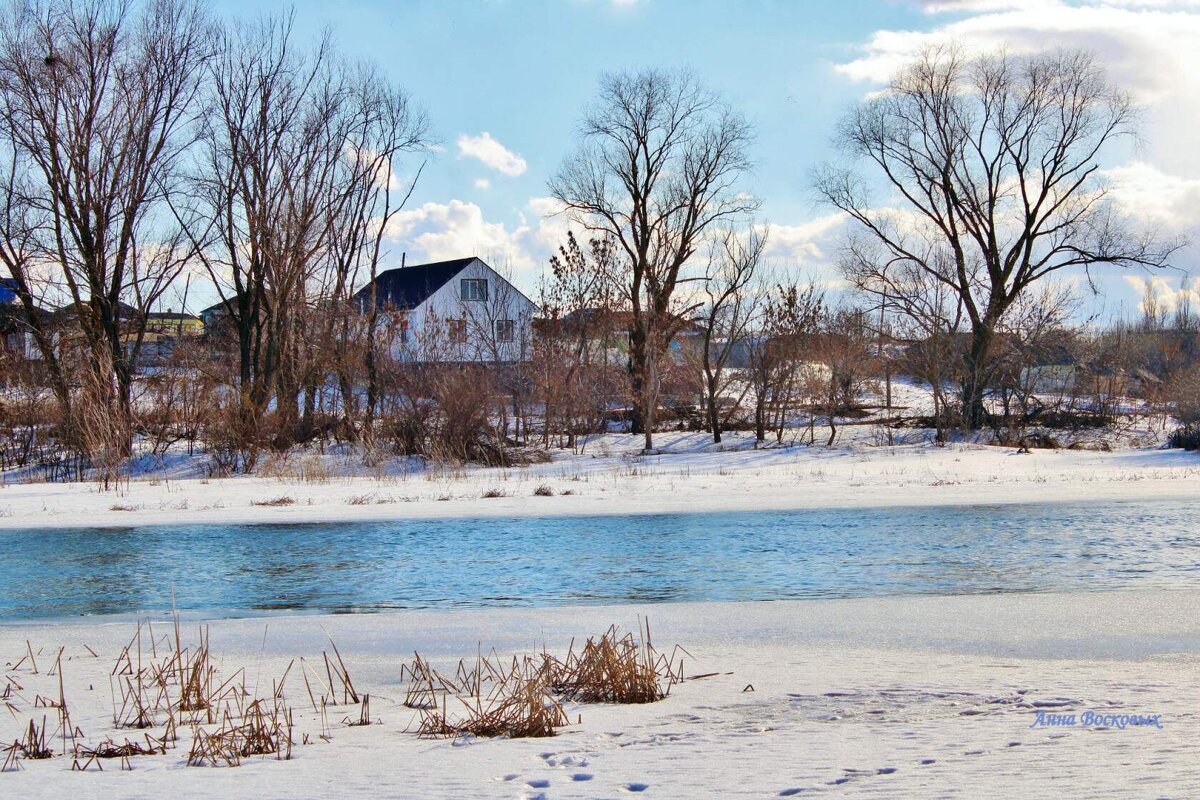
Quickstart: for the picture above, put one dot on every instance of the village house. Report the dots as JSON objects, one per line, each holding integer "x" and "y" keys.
{"x": 455, "y": 311}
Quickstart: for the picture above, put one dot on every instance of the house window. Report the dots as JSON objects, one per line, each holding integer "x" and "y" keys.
{"x": 504, "y": 330}
{"x": 458, "y": 331}
{"x": 403, "y": 331}
{"x": 473, "y": 289}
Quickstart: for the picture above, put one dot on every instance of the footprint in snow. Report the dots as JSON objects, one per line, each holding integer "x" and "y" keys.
{"x": 636, "y": 787}
{"x": 579, "y": 777}
{"x": 538, "y": 783}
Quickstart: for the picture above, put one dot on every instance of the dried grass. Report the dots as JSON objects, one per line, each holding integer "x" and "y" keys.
{"x": 275, "y": 502}
{"x": 517, "y": 702}
{"x": 616, "y": 668}
{"x": 32, "y": 746}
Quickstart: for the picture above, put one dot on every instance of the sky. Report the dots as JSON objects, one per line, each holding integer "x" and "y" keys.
{"x": 505, "y": 82}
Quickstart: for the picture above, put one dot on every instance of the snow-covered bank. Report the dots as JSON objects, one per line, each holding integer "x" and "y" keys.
{"x": 896, "y": 697}
{"x": 611, "y": 477}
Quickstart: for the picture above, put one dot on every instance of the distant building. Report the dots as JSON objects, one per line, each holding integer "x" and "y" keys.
{"x": 213, "y": 317}
{"x": 174, "y": 323}
{"x": 451, "y": 311}
{"x": 15, "y": 338}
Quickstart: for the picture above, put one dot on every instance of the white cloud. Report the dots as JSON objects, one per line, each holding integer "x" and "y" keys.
{"x": 483, "y": 183}
{"x": 1149, "y": 47}
{"x": 1166, "y": 295}
{"x": 807, "y": 245}
{"x": 490, "y": 152}
{"x": 1143, "y": 191}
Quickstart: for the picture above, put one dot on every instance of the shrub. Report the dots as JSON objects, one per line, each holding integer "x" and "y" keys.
{"x": 1185, "y": 436}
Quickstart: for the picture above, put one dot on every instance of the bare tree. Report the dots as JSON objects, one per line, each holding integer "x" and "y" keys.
{"x": 782, "y": 339}
{"x": 294, "y": 188}
{"x": 262, "y": 196}
{"x": 579, "y": 305}
{"x": 386, "y": 127}
{"x": 96, "y": 106}
{"x": 730, "y": 304}
{"x": 996, "y": 161}
{"x": 657, "y": 168}
{"x": 844, "y": 351}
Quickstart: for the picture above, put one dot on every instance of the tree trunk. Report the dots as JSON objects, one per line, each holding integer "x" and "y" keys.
{"x": 975, "y": 378}
{"x": 714, "y": 420}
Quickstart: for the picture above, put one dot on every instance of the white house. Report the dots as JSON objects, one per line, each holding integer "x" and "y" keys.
{"x": 453, "y": 311}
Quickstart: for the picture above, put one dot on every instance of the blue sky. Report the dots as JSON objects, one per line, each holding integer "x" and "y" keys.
{"x": 520, "y": 71}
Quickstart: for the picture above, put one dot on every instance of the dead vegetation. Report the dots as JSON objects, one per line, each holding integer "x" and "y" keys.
{"x": 617, "y": 668}
{"x": 275, "y": 502}
{"x": 32, "y": 745}
{"x": 260, "y": 729}
{"x": 493, "y": 699}
{"x": 170, "y": 690}
{"x": 524, "y": 697}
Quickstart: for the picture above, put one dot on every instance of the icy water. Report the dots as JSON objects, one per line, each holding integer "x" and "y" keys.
{"x": 347, "y": 567}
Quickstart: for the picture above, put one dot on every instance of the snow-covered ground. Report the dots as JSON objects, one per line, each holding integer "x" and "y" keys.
{"x": 888, "y": 697}
{"x": 611, "y": 476}
{"x": 896, "y": 697}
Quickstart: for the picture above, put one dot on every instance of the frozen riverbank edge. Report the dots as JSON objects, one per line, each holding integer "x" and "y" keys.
{"x": 613, "y": 479}
{"x": 894, "y": 697}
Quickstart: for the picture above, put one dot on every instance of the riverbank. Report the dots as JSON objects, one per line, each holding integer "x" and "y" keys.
{"x": 891, "y": 697}
{"x": 611, "y": 477}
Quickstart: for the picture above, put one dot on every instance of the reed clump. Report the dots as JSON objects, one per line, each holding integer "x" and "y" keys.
{"x": 616, "y": 668}
{"x": 261, "y": 728}
{"x": 489, "y": 699}
{"x": 275, "y": 502}
{"x": 32, "y": 745}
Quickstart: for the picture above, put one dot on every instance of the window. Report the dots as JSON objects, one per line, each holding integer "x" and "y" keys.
{"x": 504, "y": 330}
{"x": 458, "y": 330}
{"x": 403, "y": 331}
{"x": 473, "y": 289}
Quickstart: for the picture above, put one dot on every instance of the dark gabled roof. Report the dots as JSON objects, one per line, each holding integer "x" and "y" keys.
{"x": 406, "y": 288}
{"x": 127, "y": 311}
{"x": 171, "y": 316}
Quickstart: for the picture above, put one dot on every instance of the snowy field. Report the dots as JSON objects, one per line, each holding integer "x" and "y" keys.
{"x": 898, "y": 697}
{"x": 913, "y": 697}
{"x": 611, "y": 477}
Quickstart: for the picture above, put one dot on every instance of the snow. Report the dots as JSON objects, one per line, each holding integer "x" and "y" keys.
{"x": 610, "y": 476}
{"x": 886, "y": 697}
{"x": 892, "y": 697}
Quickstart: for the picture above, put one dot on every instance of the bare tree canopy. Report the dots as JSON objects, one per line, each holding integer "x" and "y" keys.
{"x": 730, "y": 306}
{"x": 291, "y": 196}
{"x": 995, "y": 166}
{"x": 658, "y": 166}
{"x": 97, "y": 101}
